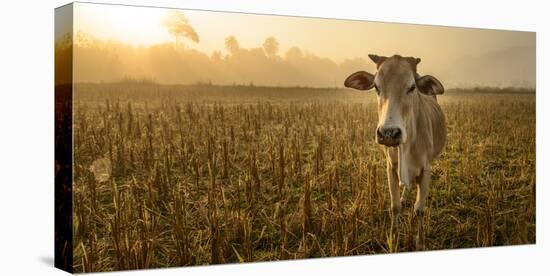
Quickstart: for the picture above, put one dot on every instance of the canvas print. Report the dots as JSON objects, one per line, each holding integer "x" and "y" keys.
{"x": 188, "y": 137}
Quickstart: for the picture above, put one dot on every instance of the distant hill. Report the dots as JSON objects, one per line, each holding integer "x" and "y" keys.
{"x": 495, "y": 68}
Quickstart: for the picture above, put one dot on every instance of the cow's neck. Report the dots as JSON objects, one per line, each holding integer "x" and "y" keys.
{"x": 408, "y": 165}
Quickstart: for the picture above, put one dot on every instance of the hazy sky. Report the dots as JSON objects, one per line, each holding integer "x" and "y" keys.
{"x": 444, "y": 50}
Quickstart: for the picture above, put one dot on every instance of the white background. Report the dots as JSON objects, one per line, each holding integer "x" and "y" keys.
{"x": 27, "y": 144}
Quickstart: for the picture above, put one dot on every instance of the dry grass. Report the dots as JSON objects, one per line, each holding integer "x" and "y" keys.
{"x": 205, "y": 175}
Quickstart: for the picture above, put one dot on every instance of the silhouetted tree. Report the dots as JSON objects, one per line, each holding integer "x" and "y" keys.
{"x": 178, "y": 25}
{"x": 111, "y": 60}
{"x": 293, "y": 54}
{"x": 216, "y": 56}
{"x": 271, "y": 46}
{"x": 232, "y": 45}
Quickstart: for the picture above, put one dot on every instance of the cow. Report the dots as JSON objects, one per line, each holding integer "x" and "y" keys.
{"x": 411, "y": 129}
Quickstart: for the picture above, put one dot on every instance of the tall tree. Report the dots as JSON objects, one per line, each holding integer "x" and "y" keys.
{"x": 232, "y": 45}
{"x": 294, "y": 54}
{"x": 271, "y": 46}
{"x": 178, "y": 25}
{"x": 216, "y": 56}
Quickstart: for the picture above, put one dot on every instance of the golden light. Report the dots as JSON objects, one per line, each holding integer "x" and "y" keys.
{"x": 134, "y": 25}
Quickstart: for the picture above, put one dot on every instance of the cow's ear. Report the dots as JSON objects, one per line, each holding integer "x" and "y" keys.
{"x": 360, "y": 80}
{"x": 377, "y": 59}
{"x": 429, "y": 85}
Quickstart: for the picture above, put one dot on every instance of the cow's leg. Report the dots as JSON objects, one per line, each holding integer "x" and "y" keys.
{"x": 421, "y": 195}
{"x": 403, "y": 199}
{"x": 393, "y": 181}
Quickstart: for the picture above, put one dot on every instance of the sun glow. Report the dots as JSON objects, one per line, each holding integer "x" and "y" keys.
{"x": 134, "y": 25}
{"x": 459, "y": 56}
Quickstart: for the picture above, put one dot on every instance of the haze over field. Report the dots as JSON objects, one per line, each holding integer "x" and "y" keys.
{"x": 115, "y": 42}
{"x": 263, "y": 170}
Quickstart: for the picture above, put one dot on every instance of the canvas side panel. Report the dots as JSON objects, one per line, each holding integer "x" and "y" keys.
{"x": 64, "y": 137}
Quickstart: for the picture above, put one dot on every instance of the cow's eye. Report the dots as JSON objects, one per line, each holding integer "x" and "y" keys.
{"x": 413, "y": 87}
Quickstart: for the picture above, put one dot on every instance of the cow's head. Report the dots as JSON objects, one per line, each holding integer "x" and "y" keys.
{"x": 397, "y": 84}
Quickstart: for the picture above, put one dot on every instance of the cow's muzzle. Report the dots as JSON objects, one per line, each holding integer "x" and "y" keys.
{"x": 389, "y": 136}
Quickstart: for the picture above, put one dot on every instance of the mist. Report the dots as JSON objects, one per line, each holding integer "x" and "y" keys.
{"x": 190, "y": 47}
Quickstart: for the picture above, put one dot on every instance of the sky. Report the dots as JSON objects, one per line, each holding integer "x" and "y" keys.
{"x": 447, "y": 51}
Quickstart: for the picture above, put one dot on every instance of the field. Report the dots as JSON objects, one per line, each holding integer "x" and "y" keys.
{"x": 194, "y": 175}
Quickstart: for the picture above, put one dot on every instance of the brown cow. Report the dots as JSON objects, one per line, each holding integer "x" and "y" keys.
{"x": 411, "y": 128}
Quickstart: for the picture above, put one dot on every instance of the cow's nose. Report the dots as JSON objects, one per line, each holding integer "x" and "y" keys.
{"x": 389, "y": 134}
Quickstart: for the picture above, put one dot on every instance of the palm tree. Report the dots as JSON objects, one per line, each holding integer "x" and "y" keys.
{"x": 232, "y": 45}
{"x": 178, "y": 25}
{"x": 271, "y": 46}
